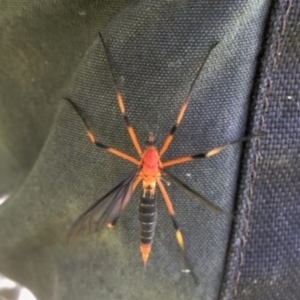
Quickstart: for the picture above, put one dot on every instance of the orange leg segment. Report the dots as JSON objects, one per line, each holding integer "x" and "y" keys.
{"x": 184, "y": 107}
{"x": 123, "y": 155}
{"x": 177, "y": 161}
{"x": 121, "y": 103}
{"x": 136, "y": 183}
{"x": 170, "y": 137}
{"x": 179, "y": 235}
{"x": 171, "y": 211}
{"x": 134, "y": 186}
{"x": 209, "y": 153}
{"x": 99, "y": 144}
{"x": 129, "y": 126}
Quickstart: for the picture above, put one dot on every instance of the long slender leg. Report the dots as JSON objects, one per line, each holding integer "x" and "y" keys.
{"x": 99, "y": 144}
{"x": 184, "y": 107}
{"x": 121, "y": 104}
{"x": 210, "y": 153}
{"x": 179, "y": 235}
{"x": 171, "y": 211}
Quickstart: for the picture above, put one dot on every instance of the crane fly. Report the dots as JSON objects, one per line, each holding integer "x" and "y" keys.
{"x": 150, "y": 172}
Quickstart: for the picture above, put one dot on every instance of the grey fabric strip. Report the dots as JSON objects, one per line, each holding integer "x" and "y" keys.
{"x": 264, "y": 255}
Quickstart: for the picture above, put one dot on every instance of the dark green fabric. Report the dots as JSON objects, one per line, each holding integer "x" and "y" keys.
{"x": 156, "y": 48}
{"x": 42, "y": 43}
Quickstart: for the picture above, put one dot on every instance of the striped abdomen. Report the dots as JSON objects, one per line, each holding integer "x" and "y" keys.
{"x": 147, "y": 218}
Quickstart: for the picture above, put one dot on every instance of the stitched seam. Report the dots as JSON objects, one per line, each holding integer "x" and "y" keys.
{"x": 257, "y": 124}
{"x": 256, "y": 149}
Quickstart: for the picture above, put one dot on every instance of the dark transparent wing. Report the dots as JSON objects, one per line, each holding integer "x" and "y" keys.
{"x": 191, "y": 192}
{"x": 106, "y": 210}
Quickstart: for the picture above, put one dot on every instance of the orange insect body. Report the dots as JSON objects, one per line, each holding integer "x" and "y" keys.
{"x": 106, "y": 211}
{"x": 150, "y": 173}
{"x": 150, "y": 165}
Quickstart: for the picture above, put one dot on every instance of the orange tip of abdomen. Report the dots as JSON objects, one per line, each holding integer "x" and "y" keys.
{"x": 145, "y": 250}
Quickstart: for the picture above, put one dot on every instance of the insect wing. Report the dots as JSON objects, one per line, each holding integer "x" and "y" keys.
{"x": 106, "y": 210}
{"x": 193, "y": 193}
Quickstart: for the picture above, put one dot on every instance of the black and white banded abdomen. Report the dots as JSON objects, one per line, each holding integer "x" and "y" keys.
{"x": 147, "y": 217}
